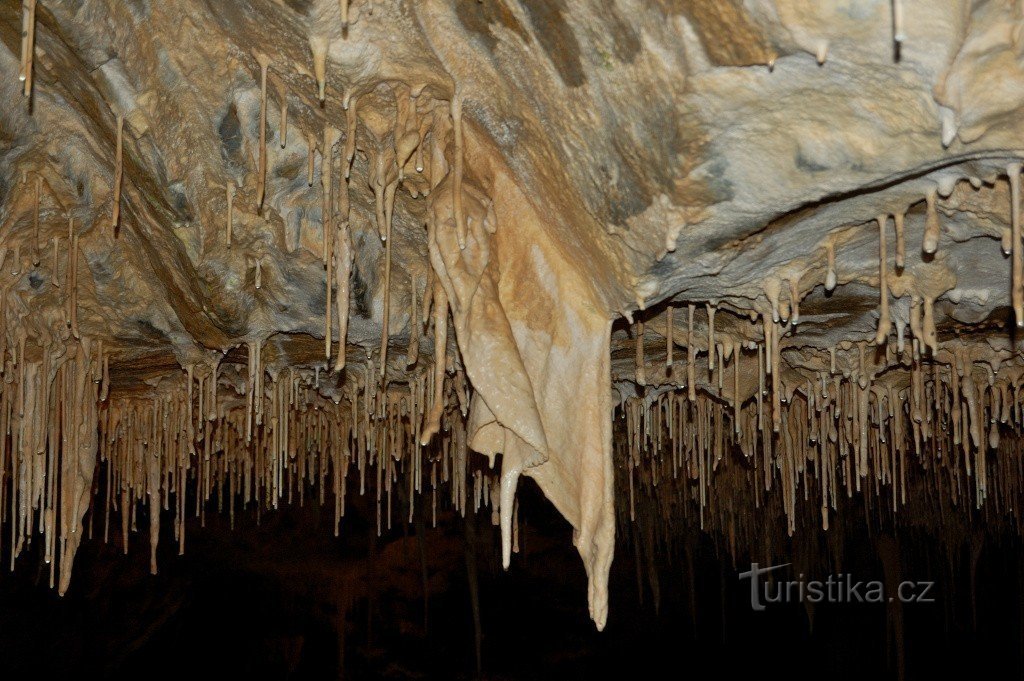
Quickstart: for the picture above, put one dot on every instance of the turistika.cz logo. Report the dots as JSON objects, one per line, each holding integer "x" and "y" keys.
{"x": 839, "y": 588}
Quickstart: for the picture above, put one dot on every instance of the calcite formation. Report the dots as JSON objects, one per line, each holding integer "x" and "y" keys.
{"x": 727, "y": 262}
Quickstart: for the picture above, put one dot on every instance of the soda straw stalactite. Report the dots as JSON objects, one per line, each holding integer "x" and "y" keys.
{"x": 1016, "y": 252}
{"x": 884, "y": 323}
{"x": 28, "y": 45}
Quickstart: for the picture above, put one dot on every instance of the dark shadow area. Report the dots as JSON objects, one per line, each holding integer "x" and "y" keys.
{"x": 283, "y": 599}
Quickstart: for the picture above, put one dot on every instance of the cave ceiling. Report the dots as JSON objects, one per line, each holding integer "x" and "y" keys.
{"x": 248, "y": 231}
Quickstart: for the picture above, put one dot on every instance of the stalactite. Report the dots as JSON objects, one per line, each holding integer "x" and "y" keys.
{"x": 772, "y": 289}
{"x": 343, "y": 256}
{"x": 830, "y": 275}
{"x": 711, "y": 337}
{"x": 928, "y": 325}
{"x": 432, "y": 421}
{"x": 821, "y": 53}
{"x": 898, "y": 35}
{"x": 931, "y": 225}
{"x": 319, "y": 45}
{"x": 328, "y": 309}
{"x": 1017, "y": 251}
{"x": 884, "y": 323}
{"x": 351, "y": 123}
{"x": 873, "y": 418}
{"x": 386, "y": 312}
{"x": 691, "y": 356}
{"x": 640, "y": 361}
{"x": 898, "y": 219}
{"x": 28, "y": 45}
{"x": 327, "y": 182}
{"x": 794, "y": 300}
{"x": 73, "y": 257}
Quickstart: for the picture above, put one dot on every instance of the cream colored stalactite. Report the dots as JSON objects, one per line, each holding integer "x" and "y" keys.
{"x": 343, "y": 255}
{"x": 318, "y": 45}
{"x": 898, "y": 34}
{"x": 28, "y": 44}
{"x": 343, "y": 264}
{"x": 377, "y": 185}
{"x": 261, "y": 171}
{"x": 437, "y": 163}
{"x": 691, "y": 356}
{"x": 928, "y": 325}
{"x": 152, "y": 454}
{"x": 432, "y": 422}
{"x": 328, "y": 308}
{"x": 736, "y": 400}
{"x": 640, "y": 360}
{"x": 760, "y": 386}
{"x": 351, "y": 125}
{"x": 24, "y": 41}
{"x": 73, "y": 257}
{"x": 830, "y": 272}
{"x": 794, "y": 299}
{"x": 118, "y": 174}
{"x": 932, "y": 227}
{"x": 250, "y": 391}
{"x": 418, "y": 162}
{"x": 772, "y": 290}
{"x": 1016, "y": 248}
{"x": 711, "y": 336}
{"x": 915, "y": 318}
{"x": 884, "y": 322}
{"x": 327, "y": 225}
{"x": 406, "y": 138}
{"x": 78, "y": 461}
{"x": 776, "y": 357}
{"x": 821, "y": 52}
{"x": 105, "y": 378}
{"x": 386, "y": 312}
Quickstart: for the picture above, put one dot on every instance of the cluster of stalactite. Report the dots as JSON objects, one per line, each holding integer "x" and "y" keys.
{"x": 160, "y": 445}
{"x": 75, "y": 457}
{"x": 922, "y": 441}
